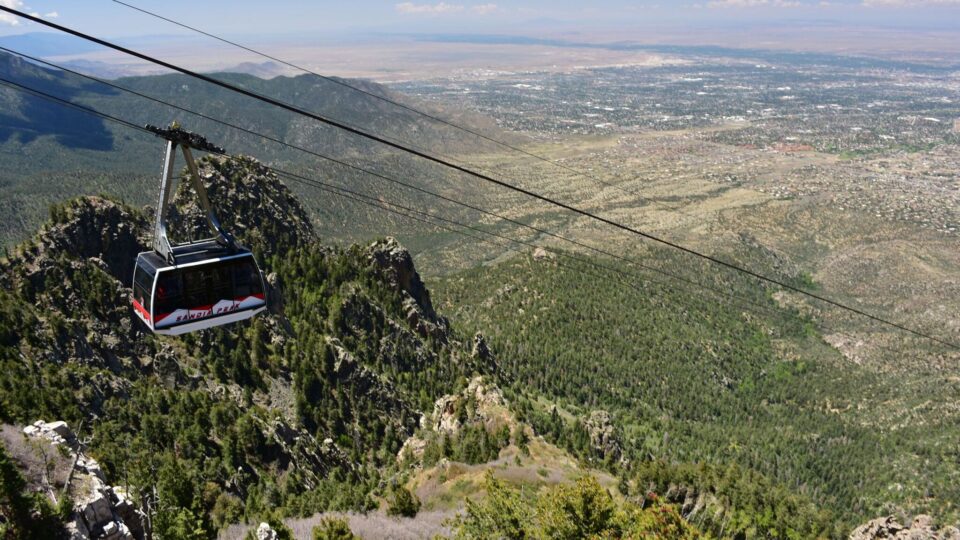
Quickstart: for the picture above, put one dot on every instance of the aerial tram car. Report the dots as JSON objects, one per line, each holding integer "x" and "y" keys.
{"x": 181, "y": 288}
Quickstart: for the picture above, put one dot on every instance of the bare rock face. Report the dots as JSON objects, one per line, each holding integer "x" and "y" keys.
{"x": 480, "y": 349}
{"x": 301, "y": 450}
{"x": 56, "y": 432}
{"x": 94, "y": 227}
{"x": 922, "y": 528}
{"x": 394, "y": 265}
{"x": 603, "y": 435}
{"x": 413, "y": 447}
{"x": 482, "y": 357}
{"x": 274, "y": 294}
{"x": 487, "y": 396}
{"x": 100, "y": 511}
{"x": 266, "y": 532}
{"x": 250, "y": 201}
{"x": 481, "y": 402}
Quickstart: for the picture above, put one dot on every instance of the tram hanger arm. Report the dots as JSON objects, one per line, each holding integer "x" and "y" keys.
{"x": 185, "y": 140}
{"x": 212, "y": 221}
{"x": 161, "y": 243}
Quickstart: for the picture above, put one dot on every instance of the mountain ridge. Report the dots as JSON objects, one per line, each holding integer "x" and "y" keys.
{"x": 66, "y": 317}
{"x": 303, "y": 410}
{"x": 52, "y": 151}
{"x": 306, "y": 408}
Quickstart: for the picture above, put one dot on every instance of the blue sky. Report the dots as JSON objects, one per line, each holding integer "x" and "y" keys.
{"x": 276, "y": 17}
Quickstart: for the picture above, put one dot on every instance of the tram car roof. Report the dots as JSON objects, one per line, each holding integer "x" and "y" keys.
{"x": 196, "y": 253}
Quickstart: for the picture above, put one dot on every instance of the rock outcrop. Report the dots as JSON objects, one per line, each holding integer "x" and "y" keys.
{"x": 922, "y": 528}
{"x": 693, "y": 503}
{"x": 301, "y": 451}
{"x": 352, "y": 373}
{"x": 393, "y": 265}
{"x": 97, "y": 228}
{"x": 603, "y": 435}
{"x": 86, "y": 234}
{"x": 100, "y": 511}
{"x": 266, "y": 532}
{"x": 75, "y": 271}
{"x": 480, "y": 403}
{"x": 480, "y": 350}
{"x": 250, "y": 201}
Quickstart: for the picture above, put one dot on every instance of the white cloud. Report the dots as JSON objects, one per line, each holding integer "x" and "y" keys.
{"x": 441, "y": 8}
{"x": 6, "y": 18}
{"x": 51, "y": 15}
{"x": 735, "y": 3}
{"x": 910, "y": 3}
{"x": 753, "y": 3}
{"x": 484, "y": 9}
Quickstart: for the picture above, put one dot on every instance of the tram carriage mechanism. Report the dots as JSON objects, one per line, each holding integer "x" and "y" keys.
{"x": 195, "y": 285}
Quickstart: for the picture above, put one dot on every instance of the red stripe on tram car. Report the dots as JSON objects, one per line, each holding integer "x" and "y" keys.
{"x": 209, "y": 308}
{"x": 142, "y": 310}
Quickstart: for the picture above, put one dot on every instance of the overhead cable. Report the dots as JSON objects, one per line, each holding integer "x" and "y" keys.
{"x": 486, "y": 178}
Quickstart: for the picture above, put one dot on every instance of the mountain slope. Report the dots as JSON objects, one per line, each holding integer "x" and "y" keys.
{"x": 761, "y": 401}
{"x": 302, "y": 410}
{"x": 750, "y": 428}
{"x": 296, "y": 411}
{"x": 50, "y": 151}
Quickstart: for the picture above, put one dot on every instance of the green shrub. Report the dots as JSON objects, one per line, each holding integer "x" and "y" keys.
{"x": 331, "y": 528}
{"x": 403, "y": 502}
{"x": 583, "y": 509}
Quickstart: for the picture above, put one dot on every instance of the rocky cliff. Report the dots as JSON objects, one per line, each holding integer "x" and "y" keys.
{"x": 250, "y": 201}
{"x": 604, "y": 435}
{"x": 921, "y": 528}
{"x": 480, "y": 407}
{"x": 294, "y": 411}
{"x": 99, "y": 510}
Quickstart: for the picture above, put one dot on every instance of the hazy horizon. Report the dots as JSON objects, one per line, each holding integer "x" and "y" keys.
{"x": 538, "y": 18}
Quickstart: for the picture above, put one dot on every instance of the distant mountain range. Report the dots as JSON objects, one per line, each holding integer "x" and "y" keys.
{"x": 806, "y": 58}
{"x": 48, "y": 44}
{"x": 46, "y": 145}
